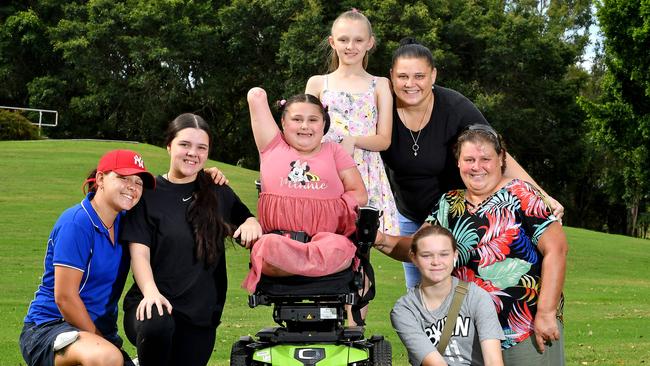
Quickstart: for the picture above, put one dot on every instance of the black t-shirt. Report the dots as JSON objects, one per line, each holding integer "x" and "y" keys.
{"x": 159, "y": 221}
{"x": 419, "y": 181}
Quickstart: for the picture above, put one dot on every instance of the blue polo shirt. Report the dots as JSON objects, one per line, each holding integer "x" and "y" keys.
{"x": 80, "y": 241}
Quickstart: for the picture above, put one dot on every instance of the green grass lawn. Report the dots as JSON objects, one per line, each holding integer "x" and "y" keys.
{"x": 607, "y": 311}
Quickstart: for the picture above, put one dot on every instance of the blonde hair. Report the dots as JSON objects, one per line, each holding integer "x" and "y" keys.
{"x": 353, "y": 14}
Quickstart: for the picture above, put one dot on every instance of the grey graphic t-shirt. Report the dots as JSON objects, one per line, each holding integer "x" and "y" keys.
{"x": 420, "y": 329}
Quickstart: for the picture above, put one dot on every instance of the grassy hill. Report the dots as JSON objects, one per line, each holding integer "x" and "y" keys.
{"x": 607, "y": 311}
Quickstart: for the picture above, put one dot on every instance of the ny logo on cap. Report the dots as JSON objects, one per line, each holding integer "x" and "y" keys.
{"x": 137, "y": 160}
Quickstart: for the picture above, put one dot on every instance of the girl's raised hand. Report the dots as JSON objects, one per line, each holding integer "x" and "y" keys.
{"x": 262, "y": 123}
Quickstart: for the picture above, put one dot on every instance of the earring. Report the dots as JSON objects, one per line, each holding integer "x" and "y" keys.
{"x": 455, "y": 262}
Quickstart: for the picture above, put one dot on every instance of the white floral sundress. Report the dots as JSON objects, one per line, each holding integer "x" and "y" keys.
{"x": 355, "y": 114}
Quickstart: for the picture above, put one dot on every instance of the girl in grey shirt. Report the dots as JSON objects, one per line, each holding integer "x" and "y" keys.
{"x": 419, "y": 316}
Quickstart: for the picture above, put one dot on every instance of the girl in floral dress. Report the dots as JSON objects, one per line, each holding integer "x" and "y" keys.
{"x": 359, "y": 105}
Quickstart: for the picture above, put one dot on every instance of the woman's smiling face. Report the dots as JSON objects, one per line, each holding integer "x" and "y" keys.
{"x": 188, "y": 152}
{"x": 412, "y": 80}
{"x": 480, "y": 167}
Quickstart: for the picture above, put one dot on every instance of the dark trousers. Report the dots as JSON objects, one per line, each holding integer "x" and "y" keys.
{"x": 169, "y": 340}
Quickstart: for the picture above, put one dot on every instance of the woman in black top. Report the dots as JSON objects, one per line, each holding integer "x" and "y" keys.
{"x": 426, "y": 121}
{"x": 176, "y": 238}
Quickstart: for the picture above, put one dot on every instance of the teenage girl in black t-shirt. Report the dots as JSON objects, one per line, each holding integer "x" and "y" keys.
{"x": 176, "y": 237}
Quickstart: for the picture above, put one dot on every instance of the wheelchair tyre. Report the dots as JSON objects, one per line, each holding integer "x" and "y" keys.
{"x": 381, "y": 353}
{"x": 239, "y": 354}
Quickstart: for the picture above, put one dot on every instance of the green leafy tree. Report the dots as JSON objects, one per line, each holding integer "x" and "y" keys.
{"x": 251, "y": 34}
{"x": 137, "y": 63}
{"x": 25, "y": 51}
{"x": 620, "y": 118}
{"x": 131, "y": 66}
{"x": 123, "y": 69}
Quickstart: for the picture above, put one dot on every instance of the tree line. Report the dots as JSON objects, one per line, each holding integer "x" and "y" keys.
{"x": 123, "y": 69}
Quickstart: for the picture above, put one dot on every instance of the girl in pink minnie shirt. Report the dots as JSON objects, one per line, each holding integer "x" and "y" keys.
{"x": 306, "y": 186}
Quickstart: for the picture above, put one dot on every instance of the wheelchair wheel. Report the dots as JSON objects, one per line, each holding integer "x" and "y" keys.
{"x": 240, "y": 354}
{"x": 381, "y": 352}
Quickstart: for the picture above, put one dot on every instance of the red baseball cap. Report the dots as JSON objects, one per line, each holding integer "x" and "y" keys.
{"x": 126, "y": 162}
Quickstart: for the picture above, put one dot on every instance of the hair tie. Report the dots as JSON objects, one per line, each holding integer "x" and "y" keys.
{"x": 86, "y": 183}
{"x": 355, "y": 10}
{"x": 280, "y": 104}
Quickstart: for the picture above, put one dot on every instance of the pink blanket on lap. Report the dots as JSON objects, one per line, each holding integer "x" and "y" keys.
{"x": 327, "y": 253}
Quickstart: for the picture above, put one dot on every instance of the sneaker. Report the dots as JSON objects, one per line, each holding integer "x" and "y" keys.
{"x": 65, "y": 339}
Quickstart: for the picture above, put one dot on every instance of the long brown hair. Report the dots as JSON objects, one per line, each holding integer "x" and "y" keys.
{"x": 90, "y": 182}
{"x": 208, "y": 227}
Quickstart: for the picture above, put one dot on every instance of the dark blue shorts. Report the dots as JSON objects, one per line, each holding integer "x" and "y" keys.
{"x": 36, "y": 341}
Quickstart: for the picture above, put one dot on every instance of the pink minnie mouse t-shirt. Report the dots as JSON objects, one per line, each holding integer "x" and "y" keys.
{"x": 285, "y": 172}
{"x": 303, "y": 194}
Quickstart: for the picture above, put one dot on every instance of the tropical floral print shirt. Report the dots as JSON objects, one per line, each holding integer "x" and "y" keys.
{"x": 497, "y": 245}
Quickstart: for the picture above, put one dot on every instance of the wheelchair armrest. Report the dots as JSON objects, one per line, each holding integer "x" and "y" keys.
{"x": 367, "y": 226}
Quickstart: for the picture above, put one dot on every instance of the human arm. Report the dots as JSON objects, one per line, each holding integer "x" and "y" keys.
{"x": 434, "y": 359}
{"x": 380, "y": 140}
{"x": 396, "y": 247}
{"x": 491, "y": 350}
{"x": 516, "y": 171}
{"x": 72, "y": 246}
{"x": 67, "y": 299}
{"x": 488, "y": 327}
{"x": 314, "y": 86}
{"x": 353, "y": 185}
{"x": 143, "y": 274}
{"x": 262, "y": 123}
{"x": 238, "y": 215}
{"x": 248, "y": 232}
{"x": 407, "y": 322}
{"x": 554, "y": 248}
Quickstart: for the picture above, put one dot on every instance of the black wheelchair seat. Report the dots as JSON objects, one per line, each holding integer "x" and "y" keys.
{"x": 337, "y": 283}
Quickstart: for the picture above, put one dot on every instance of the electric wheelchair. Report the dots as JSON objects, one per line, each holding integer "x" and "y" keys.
{"x": 310, "y": 314}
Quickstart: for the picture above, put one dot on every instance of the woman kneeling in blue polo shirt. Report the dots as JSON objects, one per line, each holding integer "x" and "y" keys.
{"x": 73, "y": 317}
